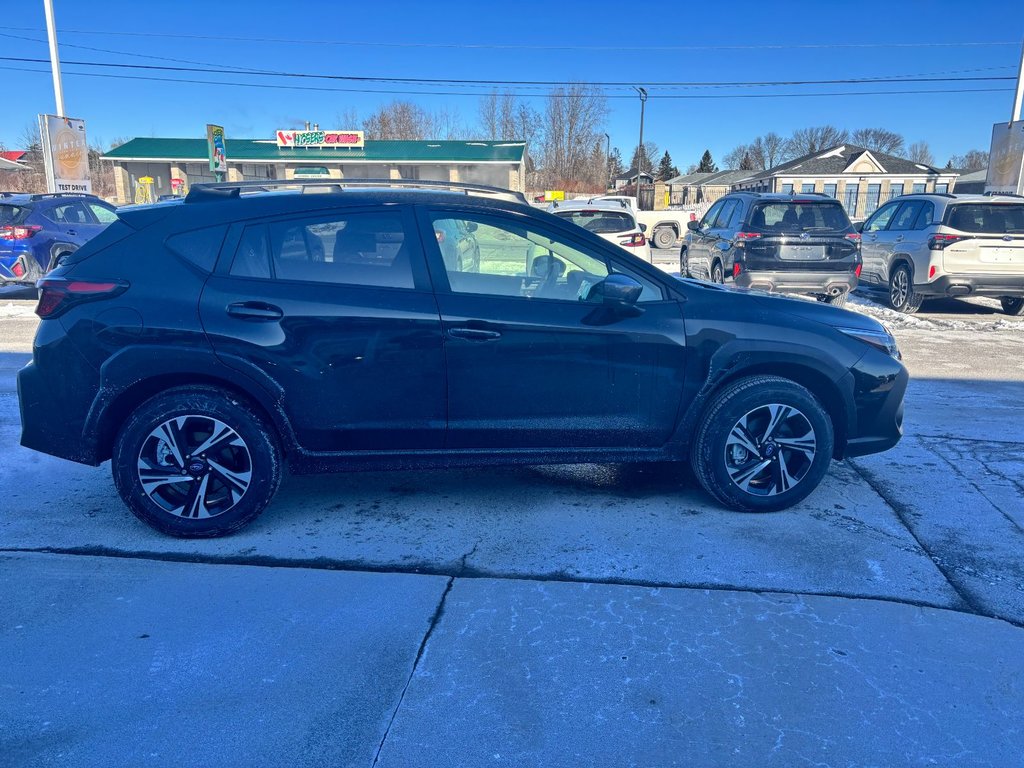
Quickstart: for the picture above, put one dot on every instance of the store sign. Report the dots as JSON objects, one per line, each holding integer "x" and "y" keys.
{"x": 65, "y": 154}
{"x": 289, "y": 138}
{"x": 1006, "y": 159}
{"x": 215, "y": 145}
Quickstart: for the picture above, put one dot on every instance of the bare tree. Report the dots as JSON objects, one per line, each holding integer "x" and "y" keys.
{"x": 735, "y": 157}
{"x": 920, "y": 152}
{"x": 973, "y": 160}
{"x": 767, "y": 151}
{"x": 574, "y": 117}
{"x": 403, "y": 120}
{"x": 807, "y": 141}
{"x": 879, "y": 140}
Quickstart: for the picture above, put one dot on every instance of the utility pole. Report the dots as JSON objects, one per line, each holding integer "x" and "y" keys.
{"x": 640, "y": 146}
{"x": 608, "y": 160}
{"x": 51, "y": 34}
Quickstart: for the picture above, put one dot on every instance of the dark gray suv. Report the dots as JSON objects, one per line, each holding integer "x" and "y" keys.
{"x": 789, "y": 244}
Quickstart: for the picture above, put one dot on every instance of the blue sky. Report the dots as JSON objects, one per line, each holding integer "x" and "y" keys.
{"x": 563, "y": 41}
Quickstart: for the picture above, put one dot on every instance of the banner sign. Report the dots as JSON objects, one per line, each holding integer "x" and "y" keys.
{"x": 215, "y": 148}
{"x": 1006, "y": 159}
{"x": 290, "y": 138}
{"x": 65, "y": 154}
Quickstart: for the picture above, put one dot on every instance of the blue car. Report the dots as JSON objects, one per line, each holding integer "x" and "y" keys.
{"x": 36, "y": 230}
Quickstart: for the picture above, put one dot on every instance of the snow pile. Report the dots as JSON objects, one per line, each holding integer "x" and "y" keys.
{"x": 17, "y": 310}
{"x": 926, "y": 322}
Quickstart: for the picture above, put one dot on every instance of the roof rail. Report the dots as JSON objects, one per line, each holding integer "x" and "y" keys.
{"x": 46, "y": 195}
{"x": 999, "y": 194}
{"x": 209, "y": 192}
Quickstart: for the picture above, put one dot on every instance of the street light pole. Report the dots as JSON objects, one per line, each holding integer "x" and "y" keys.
{"x": 51, "y": 34}
{"x": 640, "y": 146}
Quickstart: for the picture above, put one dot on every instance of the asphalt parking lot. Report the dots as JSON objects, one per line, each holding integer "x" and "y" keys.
{"x": 577, "y": 615}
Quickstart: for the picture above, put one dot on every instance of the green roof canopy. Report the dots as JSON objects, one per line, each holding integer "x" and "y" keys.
{"x": 266, "y": 150}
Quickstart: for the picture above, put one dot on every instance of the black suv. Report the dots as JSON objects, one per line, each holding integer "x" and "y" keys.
{"x": 790, "y": 244}
{"x": 202, "y": 345}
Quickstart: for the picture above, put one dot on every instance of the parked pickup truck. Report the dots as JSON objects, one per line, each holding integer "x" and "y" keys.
{"x": 664, "y": 228}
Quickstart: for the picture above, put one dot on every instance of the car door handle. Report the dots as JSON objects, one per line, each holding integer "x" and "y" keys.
{"x": 255, "y": 310}
{"x": 473, "y": 334}
{"x": 899, "y": 239}
{"x": 72, "y": 231}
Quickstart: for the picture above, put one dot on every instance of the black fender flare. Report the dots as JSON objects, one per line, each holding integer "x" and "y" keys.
{"x": 138, "y": 372}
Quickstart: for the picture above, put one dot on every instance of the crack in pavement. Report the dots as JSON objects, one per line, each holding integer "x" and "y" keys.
{"x": 464, "y": 572}
{"x": 438, "y": 613}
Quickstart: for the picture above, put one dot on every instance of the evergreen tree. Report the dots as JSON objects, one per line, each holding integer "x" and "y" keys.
{"x": 666, "y": 170}
{"x": 615, "y": 167}
{"x": 747, "y": 163}
{"x": 707, "y": 165}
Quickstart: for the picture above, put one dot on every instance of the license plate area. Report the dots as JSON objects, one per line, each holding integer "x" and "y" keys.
{"x": 802, "y": 252}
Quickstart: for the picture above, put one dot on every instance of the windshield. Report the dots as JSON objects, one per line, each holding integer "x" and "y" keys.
{"x": 599, "y": 222}
{"x": 799, "y": 216}
{"x": 987, "y": 217}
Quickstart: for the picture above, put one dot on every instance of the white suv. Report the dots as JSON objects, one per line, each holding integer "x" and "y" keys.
{"x": 608, "y": 219}
{"x": 931, "y": 245}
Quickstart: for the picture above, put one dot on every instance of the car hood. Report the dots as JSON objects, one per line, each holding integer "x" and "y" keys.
{"x": 804, "y": 309}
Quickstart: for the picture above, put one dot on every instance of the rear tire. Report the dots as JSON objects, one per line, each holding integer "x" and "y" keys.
{"x": 764, "y": 444}
{"x": 196, "y": 462}
{"x": 664, "y": 237}
{"x": 717, "y": 275}
{"x": 1012, "y": 305}
{"x": 839, "y": 300}
{"x": 684, "y": 265}
{"x": 902, "y": 297}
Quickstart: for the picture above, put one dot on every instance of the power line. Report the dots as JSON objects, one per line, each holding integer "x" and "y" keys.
{"x": 519, "y": 46}
{"x": 517, "y": 83}
{"x": 488, "y": 93}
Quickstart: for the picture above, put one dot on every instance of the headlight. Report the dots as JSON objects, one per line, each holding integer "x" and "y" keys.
{"x": 882, "y": 340}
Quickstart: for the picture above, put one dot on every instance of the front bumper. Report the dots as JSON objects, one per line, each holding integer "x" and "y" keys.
{"x": 824, "y": 283}
{"x": 879, "y": 384}
{"x": 973, "y": 285}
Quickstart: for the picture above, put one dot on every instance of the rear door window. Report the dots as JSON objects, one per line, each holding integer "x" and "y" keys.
{"x": 997, "y": 218}
{"x": 599, "y": 222}
{"x": 907, "y": 215}
{"x": 69, "y": 213}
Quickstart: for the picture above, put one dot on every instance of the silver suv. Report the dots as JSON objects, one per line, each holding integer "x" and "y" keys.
{"x": 927, "y": 246}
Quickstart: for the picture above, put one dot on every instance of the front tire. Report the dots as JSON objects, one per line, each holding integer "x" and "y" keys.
{"x": 195, "y": 462}
{"x": 902, "y": 297}
{"x": 1012, "y": 305}
{"x": 764, "y": 444}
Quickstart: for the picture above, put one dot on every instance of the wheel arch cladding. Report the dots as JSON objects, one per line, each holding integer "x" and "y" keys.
{"x": 114, "y": 403}
{"x": 901, "y": 259}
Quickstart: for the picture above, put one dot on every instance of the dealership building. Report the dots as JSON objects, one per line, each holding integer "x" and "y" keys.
{"x": 171, "y": 166}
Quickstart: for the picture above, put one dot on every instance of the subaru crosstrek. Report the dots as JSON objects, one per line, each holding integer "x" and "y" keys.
{"x": 203, "y": 345}
{"x": 37, "y": 230}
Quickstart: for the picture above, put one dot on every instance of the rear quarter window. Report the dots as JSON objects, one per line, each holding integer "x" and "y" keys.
{"x": 12, "y": 214}
{"x": 199, "y": 246}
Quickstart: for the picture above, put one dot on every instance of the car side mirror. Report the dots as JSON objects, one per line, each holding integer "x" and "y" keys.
{"x": 620, "y": 292}
{"x": 859, "y": 226}
{"x": 643, "y": 227}
{"x": 472, "y": 226}
{"x": 693, "y": 226}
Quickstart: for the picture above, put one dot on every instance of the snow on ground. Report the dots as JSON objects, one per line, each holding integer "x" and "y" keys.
{"x": 928, "y": 322}
{"x": 10, "y": 309}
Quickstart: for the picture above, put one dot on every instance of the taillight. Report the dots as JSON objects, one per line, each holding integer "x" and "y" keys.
{"x": 747, "y": 235}
{"x": 19, "y": 233}
{"x": 58, "y": 294}
{"x": 857, "y": 269}
{"x": 634, "y": 240}
{"x": 940, "y": 242}
{"x": 853, "y": 237}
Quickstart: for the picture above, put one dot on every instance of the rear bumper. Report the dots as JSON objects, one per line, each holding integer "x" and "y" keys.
{"x": 973, "y": 285}
{"x": 827, "y": 283}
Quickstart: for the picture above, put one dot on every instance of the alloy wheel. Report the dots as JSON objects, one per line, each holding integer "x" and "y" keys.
{"x": 899, "y": 288}
{"x": 194, "y": 466}
{"x": 770, "y": 449}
